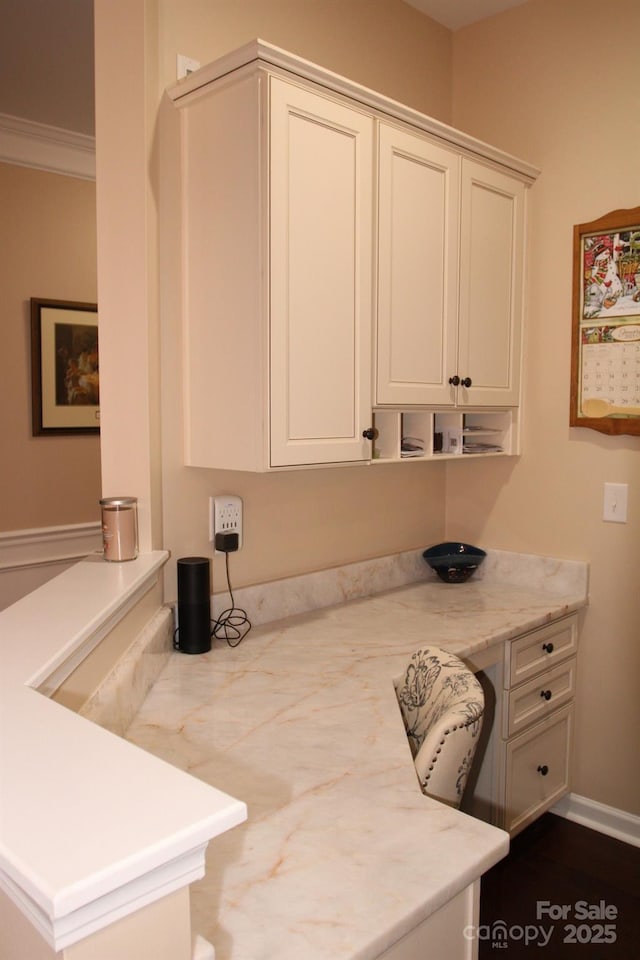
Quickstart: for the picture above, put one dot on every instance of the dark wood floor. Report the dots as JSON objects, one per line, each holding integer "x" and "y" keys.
{"x": 556, "y": 866}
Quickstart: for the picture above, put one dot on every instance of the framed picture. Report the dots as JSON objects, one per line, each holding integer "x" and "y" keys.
{"x": 65, "y": 380}
{"x": 605, "y": 354}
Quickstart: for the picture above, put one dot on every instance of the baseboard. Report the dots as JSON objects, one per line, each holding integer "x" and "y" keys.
{"x": 598, "y": 816}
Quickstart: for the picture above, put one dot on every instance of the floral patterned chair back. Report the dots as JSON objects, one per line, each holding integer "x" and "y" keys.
{"x": 442, "y": 705}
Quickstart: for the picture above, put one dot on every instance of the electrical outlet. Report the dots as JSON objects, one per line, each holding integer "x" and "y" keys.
{"x": 225, "y": 516}
{"x": 185, "y": 66}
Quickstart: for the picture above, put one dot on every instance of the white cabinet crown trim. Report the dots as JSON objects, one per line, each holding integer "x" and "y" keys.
{"x": 274, "y": 56}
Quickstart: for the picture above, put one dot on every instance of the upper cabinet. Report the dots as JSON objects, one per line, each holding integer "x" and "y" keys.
{"x": 450, "y": 265}
{"x": 340, "y": 253}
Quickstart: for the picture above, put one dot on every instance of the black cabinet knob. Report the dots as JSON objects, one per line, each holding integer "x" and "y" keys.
{"x": 548, "y": 647}
{"x": 454, "y": 381}
{"x": 543, "y": 770}
{"x": 370, "y": 433}
{"x": 466, "y": 381}
{"x": 546, "y": 694}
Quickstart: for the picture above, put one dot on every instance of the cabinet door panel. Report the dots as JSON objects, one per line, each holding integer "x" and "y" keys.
{"x": 321, "y": 243}
{"x": 417, "y": 269}
{"x": 492, "y": 239}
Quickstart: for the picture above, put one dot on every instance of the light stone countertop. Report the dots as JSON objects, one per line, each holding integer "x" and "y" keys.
{"x": 341, "y": 854}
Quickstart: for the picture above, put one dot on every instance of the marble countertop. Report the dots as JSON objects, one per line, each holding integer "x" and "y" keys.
{"x": 341, "y": 854}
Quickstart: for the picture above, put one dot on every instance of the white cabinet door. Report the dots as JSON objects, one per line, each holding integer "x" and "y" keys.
{"x": 491, "y": 268}
{"x": 320, "y": 178}
{"x": 417, "y": 269}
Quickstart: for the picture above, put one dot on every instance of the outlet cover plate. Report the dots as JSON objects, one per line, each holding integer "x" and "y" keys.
{"x": 615, "y": 502}
{"x": 185, "y": 65}
{"x": 225, "y": 516}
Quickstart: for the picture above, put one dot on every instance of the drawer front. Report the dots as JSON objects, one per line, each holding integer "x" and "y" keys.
{"x": 537, "y": 769}
{"x": 534, "y": 653}
{"x": 537, "y": 698}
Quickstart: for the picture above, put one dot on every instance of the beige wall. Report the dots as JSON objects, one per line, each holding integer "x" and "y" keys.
{"x": 383, "y": 44}
{"x": 48, "y": 250}
{"x": 547, "y": 81}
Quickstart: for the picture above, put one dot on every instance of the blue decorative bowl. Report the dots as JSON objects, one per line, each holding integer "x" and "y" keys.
{"x": 454, "y": 562}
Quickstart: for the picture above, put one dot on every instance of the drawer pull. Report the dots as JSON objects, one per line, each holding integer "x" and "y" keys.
{"x": 548, "y": 647}
{"x": 543, "y": 770}
{"x": 546, "y": 694}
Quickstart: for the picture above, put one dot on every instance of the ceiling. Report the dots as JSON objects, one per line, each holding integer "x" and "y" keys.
{"x": 46, "y": 62}
{"x": 459, "y": 13}
{"x": 46, "y": 55}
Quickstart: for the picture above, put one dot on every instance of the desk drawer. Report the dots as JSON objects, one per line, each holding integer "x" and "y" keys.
{"x": 537, "y": 764}
{"x": 537, "y": 698}
{"x": 534, "y": 653}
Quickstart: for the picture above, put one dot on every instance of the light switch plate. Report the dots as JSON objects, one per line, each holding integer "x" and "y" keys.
{"x": 615, "y": 502}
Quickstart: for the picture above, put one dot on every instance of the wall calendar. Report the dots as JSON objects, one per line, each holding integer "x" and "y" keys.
{"x": 605, "y": 356}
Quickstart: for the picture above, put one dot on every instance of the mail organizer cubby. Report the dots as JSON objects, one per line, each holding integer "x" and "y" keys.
{"x": 429, "y": 435}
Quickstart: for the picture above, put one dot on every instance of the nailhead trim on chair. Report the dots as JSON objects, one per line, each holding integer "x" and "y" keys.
{"x": 437, "y": 687}
{"x": 459, "y": 726}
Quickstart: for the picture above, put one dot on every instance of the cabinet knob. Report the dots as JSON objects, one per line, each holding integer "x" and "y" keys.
{"x": 370, "y": 433}
{"x": 546, "y": 694}
{"x": 454, "y": 381}
{"x": 466, "y": 381}
{"x": 543, "y": 770}
{"x": 548, "y": 647}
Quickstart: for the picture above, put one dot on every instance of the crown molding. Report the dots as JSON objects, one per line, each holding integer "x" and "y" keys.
{"x": 43, "y": 147}
{"x": 266, "y": 55}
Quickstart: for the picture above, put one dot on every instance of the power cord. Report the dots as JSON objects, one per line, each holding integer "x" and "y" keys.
{"x": 233, "y": 624}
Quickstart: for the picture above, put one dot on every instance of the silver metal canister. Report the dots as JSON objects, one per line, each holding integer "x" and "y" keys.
{"x": 120, "y": 528}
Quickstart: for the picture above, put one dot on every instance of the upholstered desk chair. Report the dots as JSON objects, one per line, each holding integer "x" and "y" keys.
{"x": 442, "y": 705}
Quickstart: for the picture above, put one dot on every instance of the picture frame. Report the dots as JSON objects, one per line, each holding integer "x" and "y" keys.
{"x": 65, "y": 379}
{"x": 605, "y": 350}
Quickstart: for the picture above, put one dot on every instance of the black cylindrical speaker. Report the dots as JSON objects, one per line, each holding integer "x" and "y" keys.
{"x": 194, "y": 609}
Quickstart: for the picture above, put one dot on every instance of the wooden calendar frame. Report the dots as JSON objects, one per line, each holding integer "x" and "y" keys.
{"x": 605, "y": 349}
